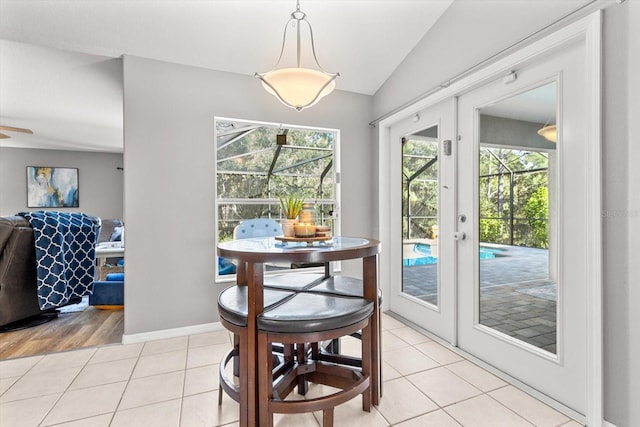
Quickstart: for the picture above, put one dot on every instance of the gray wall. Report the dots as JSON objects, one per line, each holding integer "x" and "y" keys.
{"x": 169, "y": 184}
{"x": 471, "y": 31}
{"x": 100, "y": 183}
{"x": 501, "y": 131}
{"x": 468, "y": 32}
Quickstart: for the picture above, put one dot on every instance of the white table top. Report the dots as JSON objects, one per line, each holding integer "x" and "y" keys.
{"x": 109, "y": 252}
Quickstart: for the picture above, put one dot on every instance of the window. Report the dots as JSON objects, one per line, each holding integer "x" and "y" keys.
{"x": 257, "y": 163}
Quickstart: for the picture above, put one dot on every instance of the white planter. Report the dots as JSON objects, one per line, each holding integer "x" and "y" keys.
{"x": 287, "y": 227}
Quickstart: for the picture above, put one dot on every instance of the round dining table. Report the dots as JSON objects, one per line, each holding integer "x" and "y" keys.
{"x": 251, "y": 256}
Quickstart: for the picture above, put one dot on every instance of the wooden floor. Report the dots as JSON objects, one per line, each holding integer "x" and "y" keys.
{"x": 91, "y": 327}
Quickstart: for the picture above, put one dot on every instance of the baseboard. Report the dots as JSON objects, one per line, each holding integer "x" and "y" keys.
{"x": 172, "y": 333}
{"x": 607, "y": 424}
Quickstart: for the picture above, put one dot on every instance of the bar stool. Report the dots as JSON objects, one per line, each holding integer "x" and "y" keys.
{"x": 233, "y": 310}
{"x": 353, "y": 287}
{"x": 343, "y": 286}
{"x": 311, "y": 318}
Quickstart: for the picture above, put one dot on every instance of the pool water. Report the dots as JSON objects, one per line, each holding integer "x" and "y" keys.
{"x": 426, "y": 260}
{"x": 425, "y": 250}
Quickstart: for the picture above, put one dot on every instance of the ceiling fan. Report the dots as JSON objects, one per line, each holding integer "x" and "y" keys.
{"x": 12, "y": 129}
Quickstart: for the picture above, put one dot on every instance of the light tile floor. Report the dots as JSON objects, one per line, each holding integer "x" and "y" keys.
{"x": 174, "y": 382}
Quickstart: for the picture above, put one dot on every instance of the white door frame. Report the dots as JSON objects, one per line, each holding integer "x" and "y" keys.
{"x": 589, "y": 30}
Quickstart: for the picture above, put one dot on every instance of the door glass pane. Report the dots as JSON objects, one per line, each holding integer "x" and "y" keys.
{"x": 517, "y": 245}
{"x": 420, "y": 215}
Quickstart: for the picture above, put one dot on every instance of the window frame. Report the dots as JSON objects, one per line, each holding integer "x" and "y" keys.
{"x": 221, "y": 201}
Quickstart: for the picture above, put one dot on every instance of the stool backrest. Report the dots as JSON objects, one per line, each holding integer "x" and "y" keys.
{"x": 258, "y": 227}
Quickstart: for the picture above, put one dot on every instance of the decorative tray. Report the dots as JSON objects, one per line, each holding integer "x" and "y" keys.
{"x": 308, "y": 240}
{"x": 303, "y": 239}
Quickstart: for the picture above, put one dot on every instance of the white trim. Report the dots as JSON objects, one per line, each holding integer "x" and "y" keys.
{"x": 595, "y": 410}
{"x": 172, "y": 333}
{"x": 384, "y": 205}
{"x": 588, "y": 28}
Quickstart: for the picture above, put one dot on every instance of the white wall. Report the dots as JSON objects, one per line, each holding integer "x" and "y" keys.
{"x": 100, "y": 183}
{"x": 170, "y": 189}
{"x": 471, "y": 31}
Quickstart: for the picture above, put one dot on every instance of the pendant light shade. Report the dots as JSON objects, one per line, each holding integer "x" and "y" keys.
{"x": 298, "y": 87}
{"x": 549, "y": 133}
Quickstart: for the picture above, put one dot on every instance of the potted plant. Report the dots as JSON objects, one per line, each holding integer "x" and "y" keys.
{"x": 291, "y": 206}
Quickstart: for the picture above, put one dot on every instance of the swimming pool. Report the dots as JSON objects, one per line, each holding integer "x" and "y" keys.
{"x": 427, "y": 258}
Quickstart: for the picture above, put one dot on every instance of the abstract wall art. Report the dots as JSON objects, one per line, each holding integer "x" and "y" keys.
{"x": 52, "y": 187}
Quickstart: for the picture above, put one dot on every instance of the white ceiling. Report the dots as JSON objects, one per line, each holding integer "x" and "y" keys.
{"x": 58, "y": 75}
{"x": 536, "y": 105}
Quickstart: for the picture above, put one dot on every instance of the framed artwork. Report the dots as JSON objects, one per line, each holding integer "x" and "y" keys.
{"x": 52, "y": 187}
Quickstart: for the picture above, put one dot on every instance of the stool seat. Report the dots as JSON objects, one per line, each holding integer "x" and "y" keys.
{"x": 292, "y": 281}
{"x": 314, "y": 312}
{"x": 341, "y": 285}
{"x": 233, "y": 306}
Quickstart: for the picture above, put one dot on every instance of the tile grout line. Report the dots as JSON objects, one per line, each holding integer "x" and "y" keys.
{"x": 482, "y": 392}
{"x": 189, "y": 338}
{"x": 70, "y": 382}
{"x": 115, "y": 411}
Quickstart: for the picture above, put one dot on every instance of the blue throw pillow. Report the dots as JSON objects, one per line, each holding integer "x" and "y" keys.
{"x": 225, "y": 266}
{"x": 115, "y": 277}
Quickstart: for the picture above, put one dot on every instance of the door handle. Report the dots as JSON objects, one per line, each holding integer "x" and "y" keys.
{"x": 459, "y": 235}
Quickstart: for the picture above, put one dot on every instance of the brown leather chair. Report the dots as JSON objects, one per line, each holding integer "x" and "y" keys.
{"x": 18, "y": 283}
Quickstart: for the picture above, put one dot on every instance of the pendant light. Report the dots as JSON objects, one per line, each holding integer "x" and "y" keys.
{"x": 549, "y": 133}
{"x": 298, "y": 87}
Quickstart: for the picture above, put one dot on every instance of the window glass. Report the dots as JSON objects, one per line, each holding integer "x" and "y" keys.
{"x": 257, "y": 163}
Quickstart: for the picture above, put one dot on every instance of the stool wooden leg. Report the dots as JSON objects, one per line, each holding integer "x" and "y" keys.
{"x": 335, "y": 346}
{"x": 301, "y": 355}
{"x": 366, "y": 367}
{"x": 265, "y": 380}
{"x": 378, "y": 360}
{"x": 288, "y": 353}
{"x": 244, "y": 380}
{"x": 327, "y": 417}
{"x": 236, "y": 359}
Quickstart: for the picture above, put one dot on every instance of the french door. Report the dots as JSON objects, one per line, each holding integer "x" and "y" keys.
{"x": 521, "y": 268}
{"x": 423, "y": 195}
{"x": 492, "y": 216}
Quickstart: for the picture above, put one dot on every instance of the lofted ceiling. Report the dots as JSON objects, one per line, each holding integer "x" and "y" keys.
{"x": 61, "y": 76}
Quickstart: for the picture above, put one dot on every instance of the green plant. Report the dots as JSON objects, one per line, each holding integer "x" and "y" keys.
{"x": 291, "y": 205}
{"x": 537, "y": 210}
